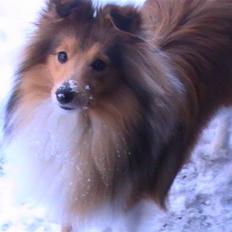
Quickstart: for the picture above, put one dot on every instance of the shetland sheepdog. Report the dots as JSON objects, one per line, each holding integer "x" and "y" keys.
{"x": 108, "y": 103}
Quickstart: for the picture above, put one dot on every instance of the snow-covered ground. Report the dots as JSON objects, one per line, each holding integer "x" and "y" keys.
{"x": 201, "y": 197}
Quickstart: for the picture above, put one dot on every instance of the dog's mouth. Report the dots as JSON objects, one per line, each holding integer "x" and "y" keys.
{"x": 74, "y": 106}
{"x": 67, "y": 108}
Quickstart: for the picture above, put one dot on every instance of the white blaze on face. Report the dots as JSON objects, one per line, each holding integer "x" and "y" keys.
{"x": 73, "y": 85}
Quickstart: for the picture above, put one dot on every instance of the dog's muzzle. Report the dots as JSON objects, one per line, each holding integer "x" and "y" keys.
{"x": 68, "y": 96}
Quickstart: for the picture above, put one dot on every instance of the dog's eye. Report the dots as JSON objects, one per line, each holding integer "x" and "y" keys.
{"x": 62, "y": 57}
{"x": 98, "y": 65}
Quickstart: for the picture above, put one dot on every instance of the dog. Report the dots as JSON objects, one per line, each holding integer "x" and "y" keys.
{"x": 108, "y": 103}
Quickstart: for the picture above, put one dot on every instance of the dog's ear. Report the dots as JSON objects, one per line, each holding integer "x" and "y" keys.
{"x": 66, "y": 8}
{"x": 126, "y": 19}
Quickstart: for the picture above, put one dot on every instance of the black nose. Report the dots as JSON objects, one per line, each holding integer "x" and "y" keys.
{"x": 65, "y": 94}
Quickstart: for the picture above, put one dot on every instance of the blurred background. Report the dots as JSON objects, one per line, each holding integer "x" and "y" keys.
{"x": 201, "y": 197}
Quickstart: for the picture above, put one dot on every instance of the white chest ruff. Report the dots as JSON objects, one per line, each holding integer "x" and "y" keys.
{"x": 43, "y": 160}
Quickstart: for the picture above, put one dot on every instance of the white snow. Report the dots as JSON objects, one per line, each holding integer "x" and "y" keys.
{"x": 201, "y": 197}
{"x": 73, "y": 85}
{"x": 87, "y": 87}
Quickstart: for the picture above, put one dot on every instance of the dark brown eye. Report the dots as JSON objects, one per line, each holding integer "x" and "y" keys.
{"x": 62, "y": 57}
{"x": 98, "y": 65}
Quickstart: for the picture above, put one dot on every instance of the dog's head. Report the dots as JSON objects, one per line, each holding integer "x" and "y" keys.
{"x": 81, "y": 52}
{"x": 85, "y": 57}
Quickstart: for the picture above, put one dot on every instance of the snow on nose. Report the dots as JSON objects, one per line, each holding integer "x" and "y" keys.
{"x": 65, "y": 94}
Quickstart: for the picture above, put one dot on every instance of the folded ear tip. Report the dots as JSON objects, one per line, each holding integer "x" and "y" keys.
{"x": 64, "y": 8}
{"x": 126, "y": 18}
{"x": 63, "y": 11}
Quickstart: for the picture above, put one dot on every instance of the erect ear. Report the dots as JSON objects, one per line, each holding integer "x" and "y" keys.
{"x": 126, "y": 19}
{"x": 65, "y": 8}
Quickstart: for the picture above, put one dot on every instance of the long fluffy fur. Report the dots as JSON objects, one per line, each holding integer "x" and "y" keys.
{"x": 196, "y": 36}
{"x": 172, "y": 61}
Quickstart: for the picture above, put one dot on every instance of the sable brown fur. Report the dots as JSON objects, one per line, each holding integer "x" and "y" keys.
{"x": 169, "y": 71}
{"x": 196, "y": 35}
